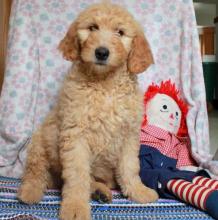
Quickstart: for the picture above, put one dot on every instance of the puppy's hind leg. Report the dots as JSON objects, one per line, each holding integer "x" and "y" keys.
{"x": 36, "y": 174}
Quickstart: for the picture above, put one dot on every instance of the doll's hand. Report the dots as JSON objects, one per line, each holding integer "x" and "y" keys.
{"x": 189, "y": 168}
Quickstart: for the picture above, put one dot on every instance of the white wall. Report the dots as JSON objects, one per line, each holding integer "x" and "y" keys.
{"x": 206, "y": 1}
{"x": 205, "y": 13}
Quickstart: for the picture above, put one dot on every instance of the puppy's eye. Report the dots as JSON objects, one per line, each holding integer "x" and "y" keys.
{"x": 93, "y": 27}
{"x": 120, "y": 33}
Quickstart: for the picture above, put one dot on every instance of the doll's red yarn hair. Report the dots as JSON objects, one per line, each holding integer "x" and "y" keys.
{"x": 169, "y": 88}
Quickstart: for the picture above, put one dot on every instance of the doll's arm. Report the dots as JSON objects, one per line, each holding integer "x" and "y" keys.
{"x": 184, "y": 157}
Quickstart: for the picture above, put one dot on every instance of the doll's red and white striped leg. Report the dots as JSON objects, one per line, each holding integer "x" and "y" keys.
{"x": 189, "y": 192}
{"x": 207, "y": 182}
{"x": 202, "y": 197}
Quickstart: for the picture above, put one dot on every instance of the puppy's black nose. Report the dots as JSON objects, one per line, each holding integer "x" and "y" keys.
{"x": 102, "y": 53}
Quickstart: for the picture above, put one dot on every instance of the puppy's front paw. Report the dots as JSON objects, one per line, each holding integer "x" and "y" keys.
{"x": 30, "y": 194}
{"x": 75, "y": 210}
{"x": 143, "y": 194}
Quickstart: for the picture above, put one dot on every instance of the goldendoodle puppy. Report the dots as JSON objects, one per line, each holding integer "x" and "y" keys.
{"x": 91, "y": 138}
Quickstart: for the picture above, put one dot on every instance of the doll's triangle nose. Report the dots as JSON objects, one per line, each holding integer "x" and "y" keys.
{"x": 172, "y": 116}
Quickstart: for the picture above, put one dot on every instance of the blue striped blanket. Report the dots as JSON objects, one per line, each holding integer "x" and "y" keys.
{"x": 120, "y": 209}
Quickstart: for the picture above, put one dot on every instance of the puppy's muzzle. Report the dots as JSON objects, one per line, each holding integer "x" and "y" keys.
{"x": 101, "y": 54}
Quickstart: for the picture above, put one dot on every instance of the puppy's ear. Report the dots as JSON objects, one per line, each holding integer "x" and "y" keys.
{"x": 69, "y": 46}
{"x": 140, "y": 56}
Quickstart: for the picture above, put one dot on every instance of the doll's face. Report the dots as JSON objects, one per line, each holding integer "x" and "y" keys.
{"x": 162, "y": 111}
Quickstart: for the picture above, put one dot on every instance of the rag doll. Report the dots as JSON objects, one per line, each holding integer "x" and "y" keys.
{"x": 165, "y": 154}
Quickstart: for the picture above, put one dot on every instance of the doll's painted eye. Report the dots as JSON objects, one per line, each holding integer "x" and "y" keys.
{"x": 165, "y": 107}
{"x": 177, "y": 114}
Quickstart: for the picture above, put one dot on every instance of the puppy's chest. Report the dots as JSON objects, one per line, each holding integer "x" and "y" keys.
{"x": 105, "y": 115}
{"x": 109, "y": 110}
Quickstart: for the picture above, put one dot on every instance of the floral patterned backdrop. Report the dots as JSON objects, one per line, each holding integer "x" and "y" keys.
{"x": 35, "y": 69}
